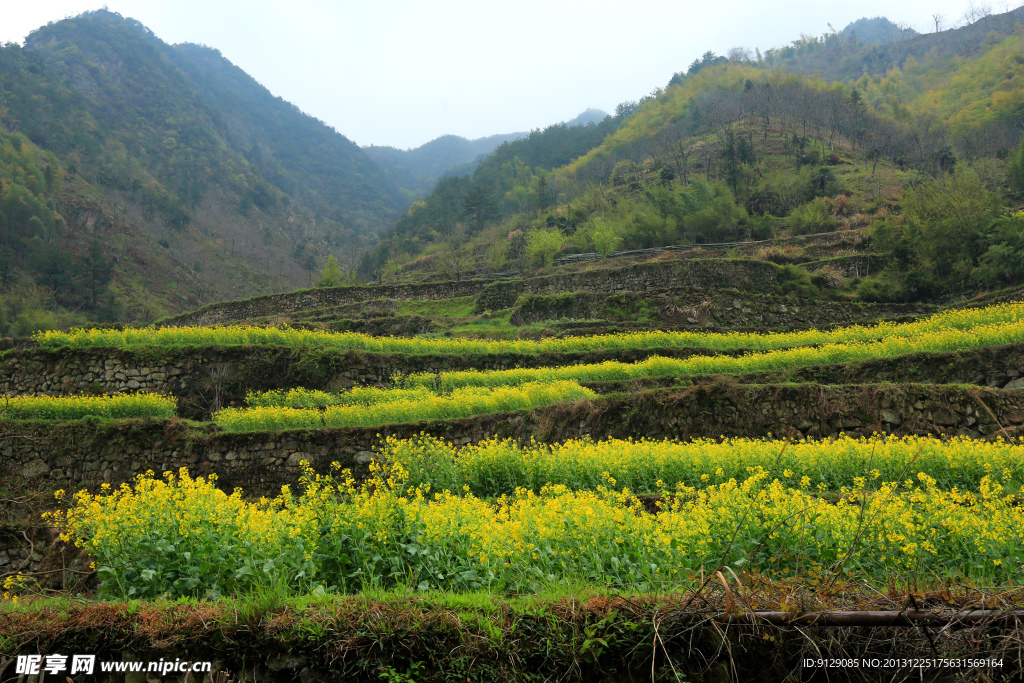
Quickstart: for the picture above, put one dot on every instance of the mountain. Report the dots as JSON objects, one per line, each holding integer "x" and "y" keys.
{"x": 587, "y": 116}
{"x": 175, "y": 157}
{"x": 511, "y": 179}
{"x": 877, "y": 30}
{"x": 848, "y": 55}
{"x": 416, "y": 171}
{"x": 914, "y": 148}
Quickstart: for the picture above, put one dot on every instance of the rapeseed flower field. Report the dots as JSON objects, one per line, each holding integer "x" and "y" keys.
{"x": 76, "y": 407}
{"x": 768, "y": 361}
{"x": 180, "y": 536}
{"x": 497, "y": 467}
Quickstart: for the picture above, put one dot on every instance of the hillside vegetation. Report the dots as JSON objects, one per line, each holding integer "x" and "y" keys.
{"x": 919, "y": 157}
{"x": 191, "y": 180}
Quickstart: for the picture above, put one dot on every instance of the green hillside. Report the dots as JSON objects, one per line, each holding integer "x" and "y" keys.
{"x": 416, "y": 171}
{"x": 917, "y": 159}
{"x": 200, "y": 184}
{"x": 511, "y": 180}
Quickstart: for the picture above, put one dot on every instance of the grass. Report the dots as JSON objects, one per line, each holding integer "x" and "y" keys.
{"x": 458, "y": 307}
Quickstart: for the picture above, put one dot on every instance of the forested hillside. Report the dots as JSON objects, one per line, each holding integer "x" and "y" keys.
{"x": 416, "y": 171}
{"x": 511, "y": 180}
{"x": 919, "y": 157}
{"x": 183, "y": 161}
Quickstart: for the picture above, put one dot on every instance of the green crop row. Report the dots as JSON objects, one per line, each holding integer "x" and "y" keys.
{"x": 411, "y": 407}
{"x": 782, "y": 359}
{"x": 259, "y": 336}
{"x": 314, "y": 398}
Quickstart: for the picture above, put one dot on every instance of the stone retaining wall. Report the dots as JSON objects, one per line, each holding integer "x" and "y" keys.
{"x": 76, "y": 454}
{"x": 308, "y": 299}
{"x": 206, "y": 379}
{"x": 701, "y": 308}
{"x": 708, "y": 274}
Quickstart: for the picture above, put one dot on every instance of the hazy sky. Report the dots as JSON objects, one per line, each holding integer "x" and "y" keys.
{"x": 402, "y": 72}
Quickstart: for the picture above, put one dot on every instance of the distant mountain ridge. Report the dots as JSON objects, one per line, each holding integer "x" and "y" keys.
{"x": 878, "y": 30}
{"x": 587, "y": 116}
{"x": 416, "y": 170}
{"x": 849, "y": 55}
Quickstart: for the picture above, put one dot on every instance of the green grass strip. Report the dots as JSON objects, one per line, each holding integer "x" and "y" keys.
{"x": 313, "y": 398}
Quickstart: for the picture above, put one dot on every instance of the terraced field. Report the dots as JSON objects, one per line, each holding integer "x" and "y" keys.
{"x": 750, "y": 473}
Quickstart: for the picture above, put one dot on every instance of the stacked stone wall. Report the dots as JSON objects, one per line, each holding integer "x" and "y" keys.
{"x": 718, "y": 309}
{"x": 708, "y": 274}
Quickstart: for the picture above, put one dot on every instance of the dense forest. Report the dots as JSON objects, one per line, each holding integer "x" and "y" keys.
{"x": 923, "y": 158}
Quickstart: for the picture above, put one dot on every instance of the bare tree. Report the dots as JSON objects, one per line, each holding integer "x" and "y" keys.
{"x": 739, "y": 54}
{"x": 762, "y": 98}
{"x": 455, "y": 257}
{"x": 976, "y": 12}
{"x": 939, "y": 19}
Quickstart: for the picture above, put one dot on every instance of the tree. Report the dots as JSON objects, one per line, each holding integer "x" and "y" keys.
{"x": 331, "y": 275}
{"x": 604, "y": 238}
{"x": 542, "y": 245}
{"x": 1017, "y": 169}
{"x": 543, "y": 193}
{"x": 480, "y": 205}
{"x": 98, "y": 270}
{"x": 455, "y": 257}
{"x": 1004, "y": 260}
{"x": 945, "y": 224}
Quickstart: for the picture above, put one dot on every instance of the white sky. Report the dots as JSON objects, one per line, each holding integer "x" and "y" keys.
{"x": 403, "y": 72}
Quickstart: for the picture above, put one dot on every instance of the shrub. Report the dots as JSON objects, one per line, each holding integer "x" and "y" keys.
{"x": 812, "y": 217}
